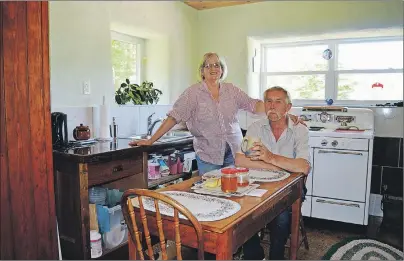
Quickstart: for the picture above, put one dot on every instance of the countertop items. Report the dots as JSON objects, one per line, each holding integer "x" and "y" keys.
{"x": 114, "y": 148}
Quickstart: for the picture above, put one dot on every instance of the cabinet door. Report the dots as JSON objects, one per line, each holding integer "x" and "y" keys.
{"x": 340, "y": 174}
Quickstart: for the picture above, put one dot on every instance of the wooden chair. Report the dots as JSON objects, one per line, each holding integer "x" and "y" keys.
{"x": 266, "y": 231}
{"x": 135, "y": 231}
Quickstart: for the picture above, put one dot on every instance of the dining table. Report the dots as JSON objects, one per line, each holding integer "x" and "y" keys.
{"x": 223, "y": 237}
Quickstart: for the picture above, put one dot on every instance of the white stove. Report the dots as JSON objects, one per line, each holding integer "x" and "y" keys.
{"x": 341, "y": 146}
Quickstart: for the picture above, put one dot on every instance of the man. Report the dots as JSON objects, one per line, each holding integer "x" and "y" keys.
{"x": 283, "y": 146}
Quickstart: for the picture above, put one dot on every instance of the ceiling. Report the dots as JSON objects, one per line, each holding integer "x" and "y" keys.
{"x": 202, "y": 5}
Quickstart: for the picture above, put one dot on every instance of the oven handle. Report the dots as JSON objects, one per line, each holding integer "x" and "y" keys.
{"x": 338, "y": 203}
{"x": 340, "y": 152}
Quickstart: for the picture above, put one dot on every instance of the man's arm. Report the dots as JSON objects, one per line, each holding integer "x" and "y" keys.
{"x": 298, "y": 164}
{"x": 244, "y": 162}
{"x": 289, "y": 164}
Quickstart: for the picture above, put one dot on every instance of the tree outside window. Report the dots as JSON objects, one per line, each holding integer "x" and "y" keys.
{"x": 124, "y": 62}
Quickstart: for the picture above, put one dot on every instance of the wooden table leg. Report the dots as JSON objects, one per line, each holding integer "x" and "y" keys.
{"x": 132, "y": 248}
{"x": 224, "y": 246}
{"x": 294, "y": 237}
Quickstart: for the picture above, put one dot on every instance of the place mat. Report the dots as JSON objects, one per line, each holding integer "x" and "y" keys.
{"x": 217, "y": 191}
{"x": 268, "y": 175}
{"x": 203, "y": 207}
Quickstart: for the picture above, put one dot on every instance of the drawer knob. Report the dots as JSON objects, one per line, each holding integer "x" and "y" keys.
{"x": 117, "y": 168}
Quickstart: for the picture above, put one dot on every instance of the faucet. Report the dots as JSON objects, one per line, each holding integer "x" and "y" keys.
{"x": 150, "y": 124}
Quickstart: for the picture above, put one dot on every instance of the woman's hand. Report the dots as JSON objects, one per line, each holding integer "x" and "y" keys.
{"x": 296, "y": 120}
{"x": 260, "y": 152}
{"x": 147, "y": 142}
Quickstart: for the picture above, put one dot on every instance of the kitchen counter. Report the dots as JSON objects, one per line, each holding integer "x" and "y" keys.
{"x": 115, "y": 149}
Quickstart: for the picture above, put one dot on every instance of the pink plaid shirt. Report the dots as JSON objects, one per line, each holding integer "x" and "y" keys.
{"x": 213, "y": 123}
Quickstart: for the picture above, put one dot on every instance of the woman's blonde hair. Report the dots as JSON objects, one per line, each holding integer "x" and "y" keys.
{"x": 222, "y": 62}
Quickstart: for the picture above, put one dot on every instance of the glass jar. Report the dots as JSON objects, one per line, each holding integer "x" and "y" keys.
{"x": 243, "y": 177}
{"x": 229, "y": 180}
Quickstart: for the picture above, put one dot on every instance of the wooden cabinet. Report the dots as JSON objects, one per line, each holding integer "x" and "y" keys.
{"x": 112, "y": 165}
{"x": 73, "y": 179}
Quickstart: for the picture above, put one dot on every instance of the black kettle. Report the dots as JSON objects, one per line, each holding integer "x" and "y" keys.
{"x": 59, "y": 130}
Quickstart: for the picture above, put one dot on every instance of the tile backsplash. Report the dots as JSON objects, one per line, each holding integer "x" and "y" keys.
{"x": 130, "y": 119}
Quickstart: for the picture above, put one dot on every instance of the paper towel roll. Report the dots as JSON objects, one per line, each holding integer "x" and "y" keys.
{"x": 104, "y": 122}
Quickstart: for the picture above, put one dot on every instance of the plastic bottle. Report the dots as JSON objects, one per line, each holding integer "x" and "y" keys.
{"x": 96, "y": 244}
{"x": 164, "y": 169}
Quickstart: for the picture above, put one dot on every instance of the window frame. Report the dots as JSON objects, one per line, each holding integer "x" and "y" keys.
{"x": 139, "y": 42}
{"x": 331, "y": 75}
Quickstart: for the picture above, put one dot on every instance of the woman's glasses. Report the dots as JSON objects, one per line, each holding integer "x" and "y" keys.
{"x": 212, "y": 65}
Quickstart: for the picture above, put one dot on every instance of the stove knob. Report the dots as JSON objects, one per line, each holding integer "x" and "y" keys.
{"x": 324, "y": 142}
{"x": 334, "y": 143}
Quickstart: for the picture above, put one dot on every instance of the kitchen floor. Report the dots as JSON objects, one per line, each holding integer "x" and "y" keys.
{"x": 322, "y": 234}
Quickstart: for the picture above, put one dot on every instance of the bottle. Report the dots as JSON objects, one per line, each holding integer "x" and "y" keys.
{"x": 95, "y": 243}
{"x": 164, "y": 169}
{"x": 172, "y": 163}
{"x": 153, "y": 168}
{"x": 113, "y": 129}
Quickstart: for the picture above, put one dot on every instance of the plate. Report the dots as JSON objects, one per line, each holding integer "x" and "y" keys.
{"x": 268, "y": 175}
{"x": 203, "y": 207}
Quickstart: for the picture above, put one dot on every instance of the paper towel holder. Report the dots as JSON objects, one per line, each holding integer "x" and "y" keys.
{"x": 113, "y": 129}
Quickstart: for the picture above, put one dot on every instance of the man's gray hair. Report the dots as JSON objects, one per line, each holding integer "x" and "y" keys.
{"x": 279, "y": 88}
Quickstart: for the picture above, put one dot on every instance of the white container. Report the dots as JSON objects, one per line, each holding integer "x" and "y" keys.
{"x": 95, "y": 243}
{"x": 116, "y": 236}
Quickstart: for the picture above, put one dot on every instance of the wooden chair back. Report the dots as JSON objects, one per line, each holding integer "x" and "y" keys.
{"x": 134, "y": 230}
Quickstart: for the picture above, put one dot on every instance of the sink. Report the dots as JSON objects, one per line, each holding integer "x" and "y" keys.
{"x": 178, "y": 134}
{"x": 140, "y": 137}
{"x": 168, "y": 137}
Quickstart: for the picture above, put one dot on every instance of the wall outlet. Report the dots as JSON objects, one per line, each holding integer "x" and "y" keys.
{"x": 86, "y": 87}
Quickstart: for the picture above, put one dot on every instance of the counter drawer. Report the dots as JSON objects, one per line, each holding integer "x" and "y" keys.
{"x": 338, "y": 210}
{"x": 99, "y": 173}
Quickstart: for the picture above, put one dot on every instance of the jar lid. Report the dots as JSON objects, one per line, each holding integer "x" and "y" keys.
{"x": 229, "y": 171}
{"x": 242, "y": 170}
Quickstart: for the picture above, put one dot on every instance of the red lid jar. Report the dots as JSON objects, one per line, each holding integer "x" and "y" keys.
{"x": 229, "y": 180}
{"x": 243, "y": 177}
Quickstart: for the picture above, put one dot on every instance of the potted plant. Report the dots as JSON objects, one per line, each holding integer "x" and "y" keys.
{"x": 137, "y": 94}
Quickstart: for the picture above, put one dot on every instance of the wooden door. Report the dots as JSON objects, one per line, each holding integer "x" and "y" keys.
{"x": 28, "y": 222}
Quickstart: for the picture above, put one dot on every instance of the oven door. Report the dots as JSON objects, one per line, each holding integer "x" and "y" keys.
{"x": 340, "y": 174}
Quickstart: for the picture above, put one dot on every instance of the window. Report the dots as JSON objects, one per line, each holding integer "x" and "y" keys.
{"x": 126, "y": 53}
{"x": 366, "y": 70}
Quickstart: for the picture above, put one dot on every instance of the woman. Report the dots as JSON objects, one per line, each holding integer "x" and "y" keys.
{"x": 209, "y": 109}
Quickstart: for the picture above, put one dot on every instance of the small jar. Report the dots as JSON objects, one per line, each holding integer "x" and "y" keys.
{"x": 243, "y": 177}
{"x": 229, "y": 180}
